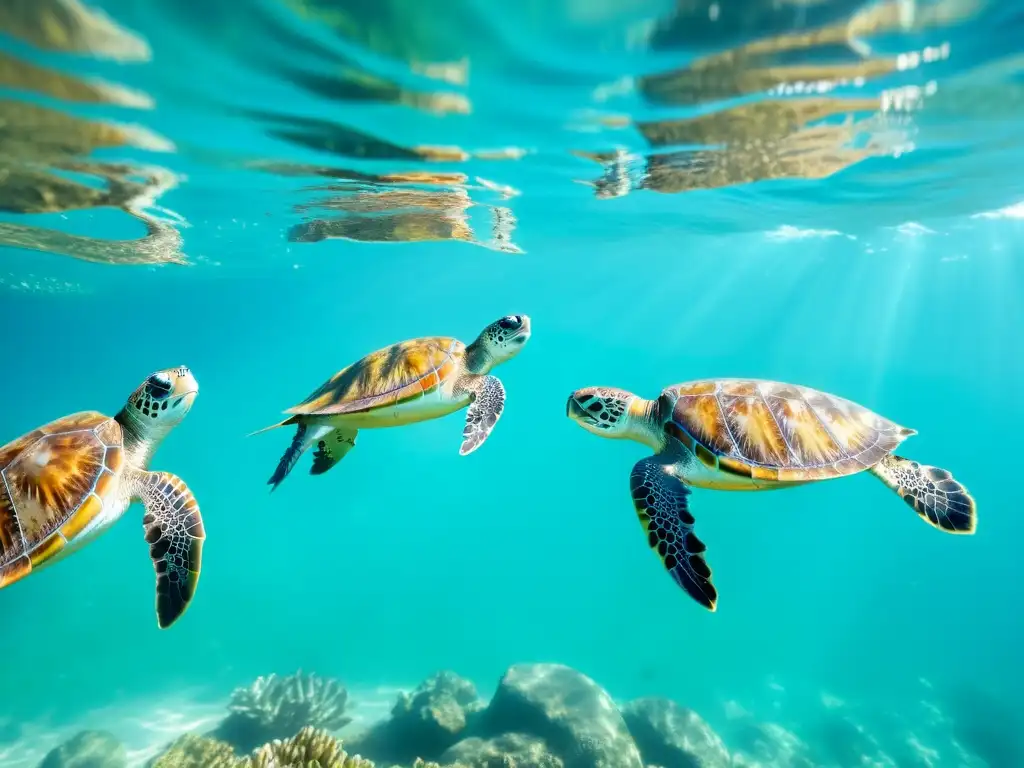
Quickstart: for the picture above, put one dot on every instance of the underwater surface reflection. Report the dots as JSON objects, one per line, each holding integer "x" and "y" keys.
{"x": 262, "y": 192}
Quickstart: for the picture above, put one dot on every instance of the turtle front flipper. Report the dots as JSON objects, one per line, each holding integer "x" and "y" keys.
{"x": 175, "y": 534}
{"x": 662, "y": 504}
{"x": 484, "y": 411}
{"x": 331, "y": 449}
{"x": 937, "y": 497}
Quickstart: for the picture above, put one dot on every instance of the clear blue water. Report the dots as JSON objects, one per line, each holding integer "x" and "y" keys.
{"x": 894, "y": 282}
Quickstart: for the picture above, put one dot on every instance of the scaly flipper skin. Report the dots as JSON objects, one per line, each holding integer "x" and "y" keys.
{"x": 933, "y": 493}
{"x": 661, "y": 502}
{"x": 305, "y": 436}
{"x": 175, "y": 534}
{"x": 331, "y": 449}
{"x": 483, "y": 413}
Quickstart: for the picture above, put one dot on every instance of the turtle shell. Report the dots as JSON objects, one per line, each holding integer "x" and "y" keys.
{"x": 55, "y": 481}
{"x": 769, "y": 431}
{"x": 390, "y": 376}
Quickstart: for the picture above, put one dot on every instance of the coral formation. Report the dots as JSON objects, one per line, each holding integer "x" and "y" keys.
{"x": 574, "y": 715}
{"x": 298, "y": 698}
{"x": 668, "y": 734}
{"x": 276, "y": 707}
{"x": 552, "y": 716}
{"x": 511, "y": 750}
{"x": 88, "y": 749}
{"x": 310, "y": 748}
{"x": 424, "y": 723}
{"x": 191, "y": 751}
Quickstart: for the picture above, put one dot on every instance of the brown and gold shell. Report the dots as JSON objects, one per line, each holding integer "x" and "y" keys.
{"x": 55, "y": 480}
{"x": 773, "y": 432}
{"x": 387, "y": 377}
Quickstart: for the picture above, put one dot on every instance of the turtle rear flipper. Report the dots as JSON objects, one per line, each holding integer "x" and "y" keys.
{"x": 939, "y": 499}
{"x": 331, "y": 449}
{"x": 305, "y": 436}
{"x": 175, "y": 534}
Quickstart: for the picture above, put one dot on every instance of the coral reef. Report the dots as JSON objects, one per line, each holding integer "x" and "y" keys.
{"x": 552, "y": 716}
{"x": 279, "y": 707}
{"x": 569, "y": 711}
{"x": 670, "y": 735}
{"x": 88, "y": 749}
{"x": 424, "y": 723}
{"x": 511, "y": 750}
{"x": 541, "y": 716}
{"x": 191, "y": 751}
{"x": 310, "y": 748}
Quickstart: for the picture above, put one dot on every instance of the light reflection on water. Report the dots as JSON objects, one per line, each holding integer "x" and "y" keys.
{"x": 801, "y": 93}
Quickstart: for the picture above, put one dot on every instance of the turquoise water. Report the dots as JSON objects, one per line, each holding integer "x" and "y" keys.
{"x": 894, "y": 282}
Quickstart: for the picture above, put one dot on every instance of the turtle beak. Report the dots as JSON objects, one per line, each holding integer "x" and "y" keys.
{"x": 575, "y": 411}
{"x": 185, "y": 383}
{"x": 185, "y": 388}
{"x": 524, "y": 330}
{"x": 522, "y": 335}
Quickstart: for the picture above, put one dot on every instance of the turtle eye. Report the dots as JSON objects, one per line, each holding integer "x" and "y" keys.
{"x": 510, "y": 322}
{"x": 158, "y": 386}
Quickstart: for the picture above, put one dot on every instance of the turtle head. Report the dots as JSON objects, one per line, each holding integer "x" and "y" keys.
{"x": 161, "y": 401}
{"x": 615, "y": 413}
{"x": 498, "y": 342}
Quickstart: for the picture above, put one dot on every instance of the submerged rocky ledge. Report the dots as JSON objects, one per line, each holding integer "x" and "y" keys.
{"x": 540, "y": 716}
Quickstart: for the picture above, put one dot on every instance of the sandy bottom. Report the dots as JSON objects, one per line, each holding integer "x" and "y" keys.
{"x": 146, "y": 727}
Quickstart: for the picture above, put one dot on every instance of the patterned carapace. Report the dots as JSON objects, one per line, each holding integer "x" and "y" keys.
{"x": 779, "y": 432}
{"x": 55, "y": 480}
{"x": 389, "y": 376}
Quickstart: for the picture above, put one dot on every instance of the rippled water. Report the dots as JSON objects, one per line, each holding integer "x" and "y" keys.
{"x": 819, "y": 191}
{"x": 385, "y": 122}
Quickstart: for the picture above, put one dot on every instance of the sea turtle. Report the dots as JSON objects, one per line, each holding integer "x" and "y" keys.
{"x": 402, "y": 384}
{"x": 66, "y": 482}
{"x": 753, "y": 435}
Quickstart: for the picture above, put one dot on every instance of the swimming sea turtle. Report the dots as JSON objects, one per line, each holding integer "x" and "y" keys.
{"x": 751, "y": 435}
{"x": 405, "y": 383}
{"x": 66, "y": 482}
